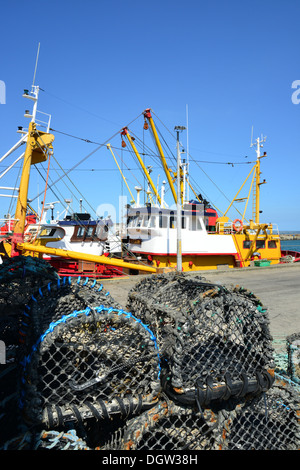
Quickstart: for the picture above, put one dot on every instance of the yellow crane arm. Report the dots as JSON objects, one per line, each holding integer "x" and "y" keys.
{"x": 147, "y": 114}
{"x": 83, "y": 256}
{"x": 126, "y": 133}
{"x": 37, "y": 148}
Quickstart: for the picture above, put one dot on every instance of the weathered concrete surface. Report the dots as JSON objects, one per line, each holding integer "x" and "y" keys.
{"x": 278, "y": 287}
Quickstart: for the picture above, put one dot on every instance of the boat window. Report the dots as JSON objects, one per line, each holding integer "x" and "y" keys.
{"x": 163, "y": 221}
{"x": 260, "y": 244}
{"x": 196, "y": 225}
{"x": 272, "y": 244}
{"x": 80, "y": 232}
{"x": 172, "y": 220}
{"x": 132, "y": 221}
{"x": 152, "y": 221}
{"x": 246, "y": 244}
{"x": 139, "y": 221}
{"x": 89, "y": 231}
{"x": 47, "y": 232}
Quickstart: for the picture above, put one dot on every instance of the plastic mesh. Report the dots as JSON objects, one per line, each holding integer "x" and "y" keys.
{"x": 269, "y": 421}
{"x": 215, "y": 341}
{"x": 167, "y": 426}
{"x": 96, "y": 362}
{"x": 190, "y": 368}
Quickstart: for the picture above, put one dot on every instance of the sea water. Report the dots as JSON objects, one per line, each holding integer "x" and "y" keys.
{"x": 293, "y": 245}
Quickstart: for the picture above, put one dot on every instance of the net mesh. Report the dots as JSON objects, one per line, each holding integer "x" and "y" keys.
{"x": 215, "y": 340}
{"x": 190, "y": 365}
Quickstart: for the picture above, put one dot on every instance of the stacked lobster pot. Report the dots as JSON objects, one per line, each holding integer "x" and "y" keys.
{"x": 87, "y": 364}
{"x": 188, "y": 365}
{"x": 217, "y": 369}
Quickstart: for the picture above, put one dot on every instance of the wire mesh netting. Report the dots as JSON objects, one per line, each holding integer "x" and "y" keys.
{"x": 190, "y": 365}
{"x": 215, "y": 342}
{"x": 91, "y": 363}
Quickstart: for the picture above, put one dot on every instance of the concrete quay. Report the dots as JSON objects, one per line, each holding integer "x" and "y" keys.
{"x": 277, "y": 286}
{"x": 295, "y": 236}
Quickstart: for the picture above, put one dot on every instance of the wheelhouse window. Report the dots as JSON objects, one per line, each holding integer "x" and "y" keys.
{"x": 173, "y": 220}
{"x": 80, "y": 232}
{"x": 272, "y": 244}
{"x": 260, "y": 244}
{"x": 163, "y": 221}
{"x": 152, "y": 221}
{"x": 196, "y": 224}
{"x": 246, "y": 244}
{"x": 89, "y": 231}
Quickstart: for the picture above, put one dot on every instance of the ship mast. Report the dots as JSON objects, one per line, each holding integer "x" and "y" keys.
{"x": 38, "y": 146}
{"x": 178, "y": 129}
{"x": 258, "y": 183}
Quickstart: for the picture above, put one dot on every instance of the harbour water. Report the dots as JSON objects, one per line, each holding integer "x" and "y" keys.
{"x": 290, "y": 245}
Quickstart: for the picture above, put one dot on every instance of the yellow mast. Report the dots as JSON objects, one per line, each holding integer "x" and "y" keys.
{"x": 147, "y": 114}
{"x": 126, "y": 133}
{"x": 37, "y": 147}
{"x": 256, "y": 199}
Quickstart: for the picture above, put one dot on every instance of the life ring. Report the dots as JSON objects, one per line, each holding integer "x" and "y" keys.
{"x": 28, "y": 237}
{"x": 238, "y": 228}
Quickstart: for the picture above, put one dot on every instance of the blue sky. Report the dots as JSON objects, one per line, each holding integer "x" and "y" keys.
{"x": 231, "y": 64}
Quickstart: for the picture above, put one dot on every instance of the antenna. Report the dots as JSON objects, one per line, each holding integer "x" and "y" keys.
{"x": 36, "y": 62}
{"x": 251, "y": 143}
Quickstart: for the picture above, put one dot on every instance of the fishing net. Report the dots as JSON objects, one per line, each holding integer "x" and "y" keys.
{"x": 293, "y": 350}
{"x": 167, "y": 426}
{"x": 188, "y": 366}
{"x": 269, "y": 421}
{"x": 91, "y": 363}
{"x": 19, "y": 278}
{"x": 50, "y": 302}
{"x": 215, "y": 341}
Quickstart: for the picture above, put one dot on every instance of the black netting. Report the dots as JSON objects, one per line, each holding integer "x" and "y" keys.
{"x": 293, "y": 349}
{"x": 92, "y": 363}
{"x": 189, "y": 366}
{"x": 215, "y": 341}
{"x": 269, "y": 421}
{"x": 167, "y": 426}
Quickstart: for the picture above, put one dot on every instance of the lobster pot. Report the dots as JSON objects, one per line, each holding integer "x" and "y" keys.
{"x": 167, "y": 426}
{"x": 173, "y": 291}
{"x": 19, "y": 278}
{"x": 269, "y": 421}
{"x": 223, "y": 349}
{"x": 96, "y": 363}
{"x": 57, "y": 298}
{"x": 293, "y": 350}
{"x": 164, "y": 303}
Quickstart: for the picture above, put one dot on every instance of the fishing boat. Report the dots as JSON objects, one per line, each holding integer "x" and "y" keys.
{"x": 151, "y": 240}
{"x": 74, "y": 245}
{"x": 202, "y": 240}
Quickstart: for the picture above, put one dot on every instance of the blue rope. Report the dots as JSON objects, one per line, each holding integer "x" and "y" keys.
{"x": 27, "y": 359}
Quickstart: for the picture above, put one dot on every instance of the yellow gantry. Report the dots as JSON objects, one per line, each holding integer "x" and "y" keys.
{"x": 37, "y": 147}
{"x": 147, "y": 114}
{"x": 126, "y": 133}
{"x": 83, "y": 256}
